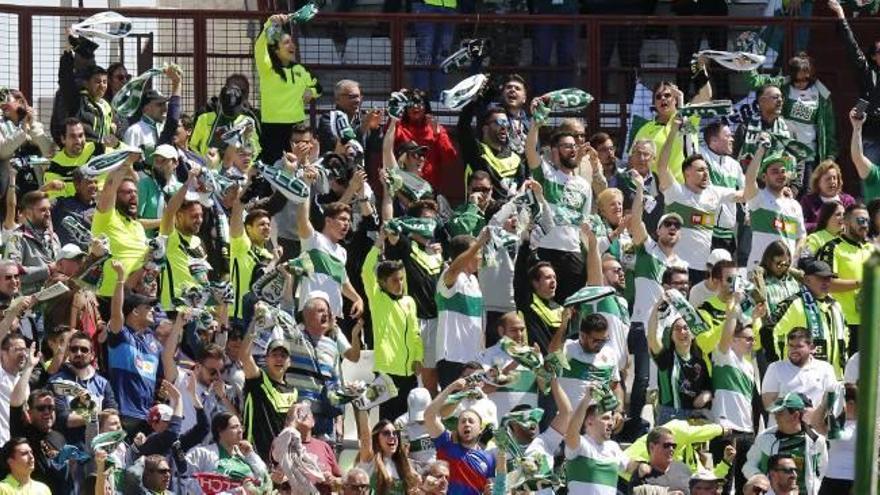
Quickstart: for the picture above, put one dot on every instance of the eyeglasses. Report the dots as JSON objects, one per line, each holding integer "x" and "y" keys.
{"x": 44, "y": 407}
{"x": 79, "y": 349}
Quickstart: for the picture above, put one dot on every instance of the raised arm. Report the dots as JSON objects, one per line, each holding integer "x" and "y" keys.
{"x": 533, "y": 159}
{"x": 637, "y": 229}
{"x": 22, "y": 389}
{"x": 856, "y": 147}
{"x": 433, "y": 423}
{"x": 176, "y": 201}
{"x": 236, "y": 216}
{"x": 751, "y": 183}
{"x": 169, "y": 350}
{"x": 248, "y": 365}
{"x": 117, "y": 318}
{"x": 573, "y": 432}
{"x": 594, "y": 257}
{"x": 389, "y": 161}
{"x": 303, "y": 224}
{"x": 458, "y": 264}
{"x": 704, "y": 94}
{"x": 665, "y": 179}
{"x": 655, "y": 345}
{"x": 365, "y": 451}
{"x": 559, "y": 336}
{"x": 730, "y": 319}
{"x": 107, "y": 198}
{"x": 563, "y": 407}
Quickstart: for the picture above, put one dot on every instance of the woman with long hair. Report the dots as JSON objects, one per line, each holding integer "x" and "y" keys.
{"x": 828, "y": 226}
{"x": 826, "y": 184}
{"x": 779, "y": 281}
{"x": 384, "y": 458}
{"x": 286, "y": 87}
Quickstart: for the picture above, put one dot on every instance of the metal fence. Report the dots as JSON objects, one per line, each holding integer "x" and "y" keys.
{"x": 604, "y": 55}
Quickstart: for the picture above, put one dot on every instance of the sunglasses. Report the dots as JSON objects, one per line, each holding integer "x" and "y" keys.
{"x": 44, "y": 408}
{"x": 481, "y": 189}
{"x": 389, "y": 433}
{"x": 79, "y": 349}
{"x": 671, "y": 224}
{"x": 500, "y": 122}
{"x": 862, "y": 221}
{"x": 662, "y": 96}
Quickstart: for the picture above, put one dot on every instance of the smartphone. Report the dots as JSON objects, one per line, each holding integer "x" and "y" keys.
{"x": 861, "y": 106}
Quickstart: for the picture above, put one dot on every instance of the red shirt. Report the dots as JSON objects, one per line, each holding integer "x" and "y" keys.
{"x": 442, "y": 168}
{"x": 326, "y": 460}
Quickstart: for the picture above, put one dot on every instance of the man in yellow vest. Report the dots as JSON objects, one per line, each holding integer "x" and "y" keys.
{"x": 76, "y": 151}
{"x": 542, "y": 315}
{"x": 491, "y": 152}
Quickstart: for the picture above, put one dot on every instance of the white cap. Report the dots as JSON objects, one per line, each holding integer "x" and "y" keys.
{"x": 718, "y": 255}
{"x": 318, "y": 294}
{"x": 417, "y": 402}
{"x": 165, "y": 151}
{"x": 70, "y": 252}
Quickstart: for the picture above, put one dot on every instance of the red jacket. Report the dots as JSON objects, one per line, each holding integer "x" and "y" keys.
{"x": 442, "y": 168}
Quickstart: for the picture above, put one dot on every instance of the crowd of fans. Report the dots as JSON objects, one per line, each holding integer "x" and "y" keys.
{"x": 179, "y": 291}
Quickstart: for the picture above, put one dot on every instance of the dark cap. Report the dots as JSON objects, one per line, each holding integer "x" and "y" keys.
{"x": 152, "y": 95}
{"x": 410, "y": 147}
{"x": 277, "y": 344}
{"x": 133, "y": 300}
{"x": 812, "y": 266}
{"x": 792, "y": 400}
{"x": 93, "y": 70}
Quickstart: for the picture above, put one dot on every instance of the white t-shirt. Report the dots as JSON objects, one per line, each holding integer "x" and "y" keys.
{"x": 650, "y": 264}
{"x": 851, "y": 372}
{"x": 523, "y": 391}
{"x": 570, "y": 199}
{"x": 699, "y": 211}
{"x": 812, "y": 380}
{"x": 804, "y": 105}
{"x": 328, "y": 260}
{"x": 774, "y": 219}
{"x": 842, "y": 454}
{"x": 7, "y": 383}
{"x": 733, "y": 379}
{"x": 592, "y": 467}
{"x": 699, "y": 294}
{"x": 459, "y": 319}
{"x": 584, "y": 366}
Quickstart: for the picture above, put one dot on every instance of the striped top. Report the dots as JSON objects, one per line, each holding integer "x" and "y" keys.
{"x": 650, "y": 264}
{"x": 459, "y": 319}
{"x": 700, "y": 213}
{"x": 733, "y": 379}
{"x": 774, "y": 218}
{"x": 591, "y": 468}
{"x": 328, "y": 259}
{"x": 586, "y": 366}
{"x": 570, "y": 198}
{"x": 524, "y": 390}
{"x": 724, "y": 171}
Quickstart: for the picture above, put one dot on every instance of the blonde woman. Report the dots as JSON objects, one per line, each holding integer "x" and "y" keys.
{"x": 826, "y": 184}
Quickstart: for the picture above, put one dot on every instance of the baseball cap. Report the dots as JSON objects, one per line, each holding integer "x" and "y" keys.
{"x": 133, "y": 300}
{"x": 670, "y": 216}
{"x": 704, "y": 474}
{"x": 812, "y": 266}
{"x": 70, "y": 252}
{"x": 165, "y": 151}
{"x": 718, "y": 255}
{"x": 410, "y": 147}
{"x": 152, "y": 95}
{"x": 417, "y": 401}
{"x": 277, "y": 344}
{"x": 791, "y": 400}
{"x": 160, "y": 412}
